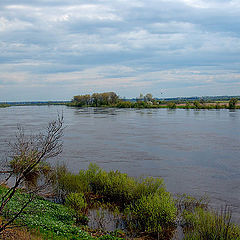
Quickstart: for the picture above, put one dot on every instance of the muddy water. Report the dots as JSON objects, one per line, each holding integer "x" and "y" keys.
{"x": 196, "y": 152}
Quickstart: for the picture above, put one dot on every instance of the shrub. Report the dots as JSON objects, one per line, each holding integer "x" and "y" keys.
{"x": 124, "y": 104}
{"x": 197, "y": 104}
{"x": 152, "y": 213}
{"x": 149, "y": 185}
{"x": 218, "y": 106}
{"x": 210, "y": 225}
{"x": 65, "y": 183}
{"x": 187, "y": 105}
{"x": 232, "y": 103}
{"x": 149, "y": 206}
{"x": 171, "y": 105}
{"x": 120, "y": 188}
{"x": 76, "y": 201}
{"x": 112, "y": 186}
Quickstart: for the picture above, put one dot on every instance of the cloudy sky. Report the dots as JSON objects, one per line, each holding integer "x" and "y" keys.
{"x": 55, "y": 49}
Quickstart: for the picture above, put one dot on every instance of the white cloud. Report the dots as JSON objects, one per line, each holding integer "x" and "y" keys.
{"x": 116, "y": 44}
{"x": 15, "y": 24}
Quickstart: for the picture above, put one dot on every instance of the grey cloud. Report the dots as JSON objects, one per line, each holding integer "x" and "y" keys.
{"x": 43, "y": 38}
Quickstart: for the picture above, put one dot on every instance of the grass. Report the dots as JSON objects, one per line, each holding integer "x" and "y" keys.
{"x": 203, "y": 223}
{"x": 51, "y": 220}
{"x": 211, "y": 225}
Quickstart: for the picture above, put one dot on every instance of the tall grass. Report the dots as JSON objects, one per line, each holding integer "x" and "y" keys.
{"x": 205, "y": 224}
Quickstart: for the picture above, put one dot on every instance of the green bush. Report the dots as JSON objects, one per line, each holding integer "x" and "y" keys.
{"x": 118, "y": 187}
{"x": 205, "y": 224}
{"x": 149, "y": 185}
{"x": 76, "y": 201}
{"x": 217, "y": 106}
{"x": 197, "y": 104}
{"x": 149, "y": 206}
{"x": 4, "y": 105}
{"x": 152, "y": 213}
{"x": 124, "y": 104}
{"x": 113, "y": 186}
{"x": 187, "y": 105}
{"x": 171, "y": 105}
{"x": 232, "y": 103}
{"x": 65, "y": 183}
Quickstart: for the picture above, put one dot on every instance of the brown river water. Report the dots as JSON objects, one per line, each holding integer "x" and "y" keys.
{"x": 195, "y": 151}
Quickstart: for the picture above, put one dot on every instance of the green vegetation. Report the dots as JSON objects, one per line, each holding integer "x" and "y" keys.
{"x": 141, "y": 201}
{"x": 4, "y": 105}
{"x": 20, "y": 163}
{"x": 232, "y": 103}
{"x": 154, "y": 213}
{"x": 210, "y": 225}
{"x": 110, "y": 99}
{"x": 51, "y": 220}
{"x": 171, "y": 105}
{"x": 200, "y": 222}
{"x": 26, "y": 160}
{"x": 77, "y": 202}
{"x": 94, "y": 100}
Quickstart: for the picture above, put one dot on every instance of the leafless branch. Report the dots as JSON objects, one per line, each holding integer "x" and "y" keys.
{"x": 28, "y": 153}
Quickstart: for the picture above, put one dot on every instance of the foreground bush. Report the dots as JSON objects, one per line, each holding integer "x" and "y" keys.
{"x": 210, "y": 225}
{"x": 113, "y": 186}
{"x": 153, "y": 213}
{"x": 149, "y": 207}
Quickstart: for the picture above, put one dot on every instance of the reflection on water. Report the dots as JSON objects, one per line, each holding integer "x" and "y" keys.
{"x": 195, "y": 151}
{"x": 105, "y": 219}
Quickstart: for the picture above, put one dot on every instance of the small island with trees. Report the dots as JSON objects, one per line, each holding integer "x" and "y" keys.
{"x": 111, "y": 99}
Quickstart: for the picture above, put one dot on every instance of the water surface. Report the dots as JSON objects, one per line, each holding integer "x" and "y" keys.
{"x": 196, "y": 152}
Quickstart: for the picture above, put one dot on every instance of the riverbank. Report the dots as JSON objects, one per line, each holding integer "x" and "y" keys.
{"x": 43, "y": 219}
{"x": 169, "y": 105}
{"x": 147, "y": 210}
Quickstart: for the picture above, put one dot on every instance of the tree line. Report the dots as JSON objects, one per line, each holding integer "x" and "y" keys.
{"x": 111, "y": 99}
{"x": 95, "y": 100}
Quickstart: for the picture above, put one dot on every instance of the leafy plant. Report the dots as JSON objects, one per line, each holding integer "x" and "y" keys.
{"x": 77, "y": 202}
{"x": 205, "y": 224}
{"x": 197, "y": 104}
{"x": 232, "y": 103}
{"x": 171, "y": 105}
{"x": 152, "y": 213}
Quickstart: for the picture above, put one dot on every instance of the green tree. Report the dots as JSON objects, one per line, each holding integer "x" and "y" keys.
{"x": 148, "y": 97}
{"x": 171, "y": 105}
{"x": 197, "y": 104}
{"x": 232, "y": 103}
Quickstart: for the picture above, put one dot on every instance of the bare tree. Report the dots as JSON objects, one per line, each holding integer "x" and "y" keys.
{"x": 28, "y": 156}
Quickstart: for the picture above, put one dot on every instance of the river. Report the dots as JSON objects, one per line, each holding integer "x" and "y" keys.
{"x": 194, "y": 151}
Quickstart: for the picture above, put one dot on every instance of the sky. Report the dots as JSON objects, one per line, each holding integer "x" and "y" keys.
{"x": 56, "y": 49}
